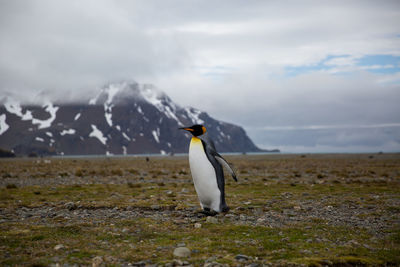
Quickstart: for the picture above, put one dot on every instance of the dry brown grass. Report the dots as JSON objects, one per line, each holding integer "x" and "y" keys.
{"x": 303, "y": 209}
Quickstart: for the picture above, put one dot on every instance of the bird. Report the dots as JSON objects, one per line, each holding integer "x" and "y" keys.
{"x": 207, "y": 171}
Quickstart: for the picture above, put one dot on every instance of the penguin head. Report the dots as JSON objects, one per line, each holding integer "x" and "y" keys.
{"x": 195, "y": 130}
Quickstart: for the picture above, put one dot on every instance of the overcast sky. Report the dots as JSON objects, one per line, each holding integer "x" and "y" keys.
{"x": 302, "y": 76}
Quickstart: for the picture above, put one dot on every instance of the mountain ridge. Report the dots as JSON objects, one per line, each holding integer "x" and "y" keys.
{"x": 123, "y": 118}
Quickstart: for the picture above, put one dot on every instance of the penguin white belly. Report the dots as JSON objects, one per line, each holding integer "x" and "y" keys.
{"x": 204, "y": 176}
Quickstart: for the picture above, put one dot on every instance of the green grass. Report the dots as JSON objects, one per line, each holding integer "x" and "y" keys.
{"x": 266, "y": 183}
{"x": 84, "y": 242}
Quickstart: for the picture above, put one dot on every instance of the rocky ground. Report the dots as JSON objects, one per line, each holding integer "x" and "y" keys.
{"x": 285, "y": 210}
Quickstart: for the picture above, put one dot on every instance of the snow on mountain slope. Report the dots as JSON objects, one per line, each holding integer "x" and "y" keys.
{"x": 156, "y": 135}
{"x": 14, "y": 107}
{"x": 52, "y": 110}
{"x": 193, "y": 115}
{"x": 123, "y": 118}
{"x": 77, "y": 116}
{"x": 3, "y": 125}
{"x": 69, "y": 131}
{"x": 98, "y": 134}
{"x": 114, "y": 93}
{"x": 161, "y": 101}
{"x": 111, "y": 91}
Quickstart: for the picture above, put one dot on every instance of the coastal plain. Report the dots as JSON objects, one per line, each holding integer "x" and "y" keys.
{"x": 285, "y": 209}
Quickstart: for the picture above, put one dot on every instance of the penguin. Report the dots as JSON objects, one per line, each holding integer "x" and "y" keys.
{"x": 207, "y": 172}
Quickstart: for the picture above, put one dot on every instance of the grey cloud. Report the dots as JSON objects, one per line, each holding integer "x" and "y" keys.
{"x": 73, "y": 47}
{"x": 330, "y": 140}
{"x": 346, "y": 111}
{"x": 315, "y": 99}
{"x": 59, "y": 45}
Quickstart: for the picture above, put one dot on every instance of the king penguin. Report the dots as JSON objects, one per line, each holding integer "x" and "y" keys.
{"x": 207, "y": 172}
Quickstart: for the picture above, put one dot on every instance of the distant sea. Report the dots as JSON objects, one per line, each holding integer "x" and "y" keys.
{"x": 227, "y": 154}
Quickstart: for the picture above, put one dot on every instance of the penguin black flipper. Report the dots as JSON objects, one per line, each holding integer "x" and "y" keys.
{"x": 220, "y": 159}
{"x": 219, "y": 172}
{"x": 224, "y": 163}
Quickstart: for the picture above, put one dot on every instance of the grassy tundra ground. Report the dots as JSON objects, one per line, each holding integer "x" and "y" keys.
{"x": 300, "y": 209}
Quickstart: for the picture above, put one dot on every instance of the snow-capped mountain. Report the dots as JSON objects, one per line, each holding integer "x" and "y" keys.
{"x": 124, "y": 118}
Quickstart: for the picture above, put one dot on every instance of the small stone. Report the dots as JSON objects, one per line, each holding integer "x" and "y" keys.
{"x": 182, "y": 252}
{"x": 197, "y": 225}
{"x": 181, "y": 245}
{"x": 241, "y": 258}
{"x": 297, "y": 208}
{"x": 306, "y": 251}
{"x": 111, "y": 260}
{"x": 211, "y": 259}
{"x": 139, "y": 264}
{"x": 59, "y": 246}
{"x": 178, "y": 262}
{"x": 55, "y": 259}
{"x": 155, "y": 207}
{"x": 213, "y": 264}
{"x": 184, "y": 190}
{"x": 70, "y": 206}
{"x": 260, "y": 220}
{"x": 353, "y": 243}
{"x": 97, "y": 261}
{"x": 211, "y": 219}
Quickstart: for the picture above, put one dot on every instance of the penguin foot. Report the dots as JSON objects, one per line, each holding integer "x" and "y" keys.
{"x": 225, "y": 209}
{"x": 208, "y": 212}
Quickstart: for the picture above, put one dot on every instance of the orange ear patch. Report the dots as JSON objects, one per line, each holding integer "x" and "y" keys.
{"x": 204, "y": 129}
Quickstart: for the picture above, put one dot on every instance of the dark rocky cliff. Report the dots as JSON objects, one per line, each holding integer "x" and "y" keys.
{"x": 124, "y": 118}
